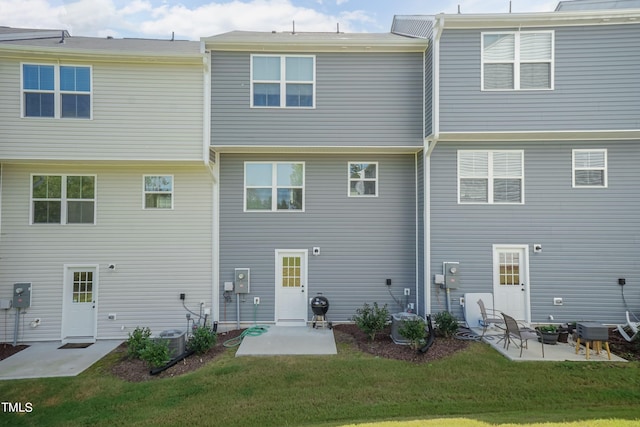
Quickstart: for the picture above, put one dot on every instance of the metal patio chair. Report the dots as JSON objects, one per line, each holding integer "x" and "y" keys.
{"x": 522, "y": 334}
{"x": 488, "y": 320}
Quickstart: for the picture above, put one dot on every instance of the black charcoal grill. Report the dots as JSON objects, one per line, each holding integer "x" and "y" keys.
{"x": 320, "y": 306}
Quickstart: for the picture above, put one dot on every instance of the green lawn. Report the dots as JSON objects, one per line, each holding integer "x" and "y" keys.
{"x": 477, "y": 384}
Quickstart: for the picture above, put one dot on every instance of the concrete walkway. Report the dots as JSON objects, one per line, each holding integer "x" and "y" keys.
{"x": 45, "y": 359}
{"x": 289, "y": 340}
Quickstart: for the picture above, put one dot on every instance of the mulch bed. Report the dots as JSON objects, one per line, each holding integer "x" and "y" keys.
{"x": 383, "y": 346}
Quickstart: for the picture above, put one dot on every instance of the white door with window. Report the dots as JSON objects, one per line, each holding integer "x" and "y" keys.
{"x": 291, "y": 287}
{"x": 79, "y": 305}
{"x": 511, "y": 280}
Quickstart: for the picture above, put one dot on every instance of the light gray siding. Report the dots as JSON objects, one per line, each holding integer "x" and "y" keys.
{"x": 596, "y": 84}
{"x": 140, "y": 112}
{"x": 589, "y": 235}
{"x": 363, "y": 241}
{"x": 361, "y": 100}
{"x": 158, "y": 253}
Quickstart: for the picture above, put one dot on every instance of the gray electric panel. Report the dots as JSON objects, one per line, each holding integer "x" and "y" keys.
{"x": 21, "y": 295}
{"x": 451, "y": 275}
{"x": 242, "y": 281}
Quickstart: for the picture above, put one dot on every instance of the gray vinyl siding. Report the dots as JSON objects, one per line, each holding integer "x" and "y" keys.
{"x": 596, "y": 84}
{"x": 363, "y": 241}
{"x": 140, "y": 112}
{"x": 362, "y": 99}
{"x": 158, "y": 253}
{"x": 588, "y": 235}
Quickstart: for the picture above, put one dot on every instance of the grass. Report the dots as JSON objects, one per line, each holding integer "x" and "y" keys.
{"x": 477, "y": 385}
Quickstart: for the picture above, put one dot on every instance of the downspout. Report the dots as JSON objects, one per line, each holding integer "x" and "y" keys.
{"x": 429, "y": 146}
{"x": 214, "y": 169}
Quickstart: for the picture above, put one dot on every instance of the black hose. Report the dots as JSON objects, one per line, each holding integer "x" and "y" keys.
{"x": 430, "y": 339}
{"x": 172, "y": 362}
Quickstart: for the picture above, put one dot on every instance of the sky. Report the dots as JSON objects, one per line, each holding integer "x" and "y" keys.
{"x": 192, "y": 19}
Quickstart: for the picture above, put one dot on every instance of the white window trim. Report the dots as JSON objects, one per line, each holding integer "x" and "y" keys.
{"x": 376, "y": 180}
{"x": 490, "y": 176}
{"x": 274, "y": 187}
{"x": 516, "y": 62}
{"x": 57, "y": 98}
{"x": 283, "y": 81}
{"x": 604, "y": 170}
{"x": 145, "y": 192}
{"x": 64, "y": 200}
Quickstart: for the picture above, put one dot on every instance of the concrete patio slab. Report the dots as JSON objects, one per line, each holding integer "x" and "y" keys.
{"x": 45, "y": 359}
{"x": 289, "y": 340}
{"x": 552, "y": 353}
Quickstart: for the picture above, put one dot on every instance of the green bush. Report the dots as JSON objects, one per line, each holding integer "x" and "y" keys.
{"x": 371, "y": 319}
{"x": 414, "y": 330}
{"x": 156, "y": 353}
{"x": 446, "y": 324}
{"x": 202, "y": 340}
{"x": 137, "y": 341}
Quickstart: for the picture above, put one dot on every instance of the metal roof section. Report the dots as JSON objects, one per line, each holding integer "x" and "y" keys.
{"x": 313, "y": 42}
{"x": 58, "y": 43}
{"x": 413, "y": 25}
{"x": 597, "y": 5}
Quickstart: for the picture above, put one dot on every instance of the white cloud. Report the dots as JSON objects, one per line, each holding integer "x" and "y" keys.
{"x": 30, "y": 14}
{"x": 255, "y": 15}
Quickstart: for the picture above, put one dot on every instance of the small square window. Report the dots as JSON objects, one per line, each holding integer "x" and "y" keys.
{"x": 363, "y": 179}
{"x": 158, "y": 192}
{"x": 589, "y": 168}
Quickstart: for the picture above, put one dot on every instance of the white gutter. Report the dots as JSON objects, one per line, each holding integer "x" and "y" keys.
{"x": 430, "y": 145}
{"x": 206, "y": 114}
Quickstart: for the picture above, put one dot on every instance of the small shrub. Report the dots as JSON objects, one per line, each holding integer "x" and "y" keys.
{"x": 371, "y": 319}
{"x": 414, "y": 330}
{"x": 446, "y": 324}
{"x": 137, "y": 341}
{"x": 202, "y": 340}
{"x": 156, "y": 353}
{"x": 551, "y": 329}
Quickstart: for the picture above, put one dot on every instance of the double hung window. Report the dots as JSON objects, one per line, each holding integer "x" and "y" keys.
{"x": 56, "y": 91}
{"x": 282, "y": 81}
{"x": 363, "y": 179}
{"x": 589, "y": 168}
{"x": 158, "y": 191}
{"x": 490, "y": 176}
{"x": 274, "y": 186}
{"x": 63, "y": 199}
{"x": 517, "y": 60}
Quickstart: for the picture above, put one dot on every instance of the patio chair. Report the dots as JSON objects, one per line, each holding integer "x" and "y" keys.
{"x": 488, "y": 320}
{"x": 634, "y": 329}
{"x": 523, "y": 334}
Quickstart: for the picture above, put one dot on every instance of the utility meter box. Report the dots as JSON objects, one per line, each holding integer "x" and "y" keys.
{"x": 242, "y": 281}
{"x": 21, "y": 295}
{"x": 451, "y": 275}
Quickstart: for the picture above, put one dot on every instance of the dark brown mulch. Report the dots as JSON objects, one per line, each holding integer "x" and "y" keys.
{"x": 621, "y": 347}
{"x": 136, "y": 370}
{"x": 383, "y": 345}
{"x": 7, "y": 350}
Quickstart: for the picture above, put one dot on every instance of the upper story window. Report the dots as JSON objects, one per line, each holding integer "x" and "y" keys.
{"x": 63, "y": 199}
{"x": 283, "y": 81}
{"x": 57, "y": 91}
{"x": 363, "y": 179}
{"x": 490, "y": 176}
{"x": 520, "y": 60}
{"x": 589, "y": 168}
{"x": 274, "y": 186}
{"x": 158, "y": 192}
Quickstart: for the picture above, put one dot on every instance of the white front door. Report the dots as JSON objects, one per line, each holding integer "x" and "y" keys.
{"x": 511, "y": 280}
{"x": 79, "y": 305}
{"x": 291, "y": 287}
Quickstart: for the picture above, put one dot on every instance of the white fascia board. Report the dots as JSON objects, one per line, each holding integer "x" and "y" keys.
{"x": 39, "y": 52}
{"x": 569, "y": 135}
{"x": 404, "y": 45}
{"x": 265, "y": 149}
{"x": 540, "y": 19}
